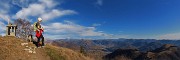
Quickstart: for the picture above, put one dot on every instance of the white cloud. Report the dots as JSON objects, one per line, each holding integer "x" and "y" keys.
{"x": 22, "y": 3}
{"x": 44, "y": 9}
{"x": 68, "y": 29}
{"x": 48, "y": 3}
{"x": 2, "y": 28}
{"x": 71, "y": 29}
{"x": 55, "y": 36}
{"x": 96, "y": 24}
{"x": 55, "y": 13}
{"x": 4, "y": 17}
{"x": 4, "y": 8}
{"x": 170, "y": 36}
{"x": 47, "y": 10}
{"x": 99, "y": 2}
{"x": 32, "y": 10}
{"x": 41, "y": 8}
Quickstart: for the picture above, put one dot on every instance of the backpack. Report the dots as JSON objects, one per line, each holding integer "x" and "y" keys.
{"x": 35, "y": 26}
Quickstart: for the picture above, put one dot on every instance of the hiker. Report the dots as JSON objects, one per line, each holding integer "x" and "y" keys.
{"x": 39, "y": 30}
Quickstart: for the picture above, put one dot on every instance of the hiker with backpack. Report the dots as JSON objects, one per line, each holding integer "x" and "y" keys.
{"x": 39, "y": 30}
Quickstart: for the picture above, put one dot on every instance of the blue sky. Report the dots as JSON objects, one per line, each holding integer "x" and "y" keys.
{"x": 98, "y": 19}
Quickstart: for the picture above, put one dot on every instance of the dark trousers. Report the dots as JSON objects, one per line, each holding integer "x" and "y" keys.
{"x": 40, "y": 38}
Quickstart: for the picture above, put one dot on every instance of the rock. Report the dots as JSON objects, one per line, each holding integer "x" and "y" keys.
{"x": 26, "y": 49}
{"x": 34, "y": 52}
{"x": 30, "y": 51}
{"x": 22, "y": 44}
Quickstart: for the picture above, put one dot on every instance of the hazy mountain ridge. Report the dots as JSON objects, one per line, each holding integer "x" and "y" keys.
{"x": 106, "y": 46}
{"x": 166, "y": 52}
{"x": 113, "y": 44}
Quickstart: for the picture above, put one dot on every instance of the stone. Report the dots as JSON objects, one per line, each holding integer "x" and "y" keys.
{"x": 22, "y": 44}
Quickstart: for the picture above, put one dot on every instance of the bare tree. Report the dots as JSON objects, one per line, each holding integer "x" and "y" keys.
{"x": 24, "y": 28}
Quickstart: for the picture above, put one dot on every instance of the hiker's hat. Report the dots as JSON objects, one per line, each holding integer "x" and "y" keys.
{"x": 39, "y": 19}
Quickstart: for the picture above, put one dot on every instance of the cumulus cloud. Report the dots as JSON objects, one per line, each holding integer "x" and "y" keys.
{"x": 55, "y": 13}
{"x": 48, "y": 3}
{"x": 32, "y": 10}
{"x": 170, "y": 36}
{"x": 69, "y": 27}
{"x": 44, "y": 9}
{"x": 47, "y": 10}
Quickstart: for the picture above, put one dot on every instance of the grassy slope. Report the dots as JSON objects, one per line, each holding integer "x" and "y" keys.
{"x": 63, "y": 53}
{"x": 11, "y": 49}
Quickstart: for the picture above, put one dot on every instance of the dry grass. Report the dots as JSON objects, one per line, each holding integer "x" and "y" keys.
{"x": 11, "y": 49}
{"x": 59, "y": 53}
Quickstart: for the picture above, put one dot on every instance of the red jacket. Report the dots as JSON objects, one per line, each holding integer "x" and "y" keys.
{"x": 39, "y": 33}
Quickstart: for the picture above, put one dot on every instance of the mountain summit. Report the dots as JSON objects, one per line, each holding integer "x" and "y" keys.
{"x": 17, "y": 49}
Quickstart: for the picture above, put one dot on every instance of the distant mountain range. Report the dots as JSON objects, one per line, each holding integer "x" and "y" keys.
{"x": 106, "y": 46}
{"x": 166, "y": 52}
{"x": 110, "y": 45}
